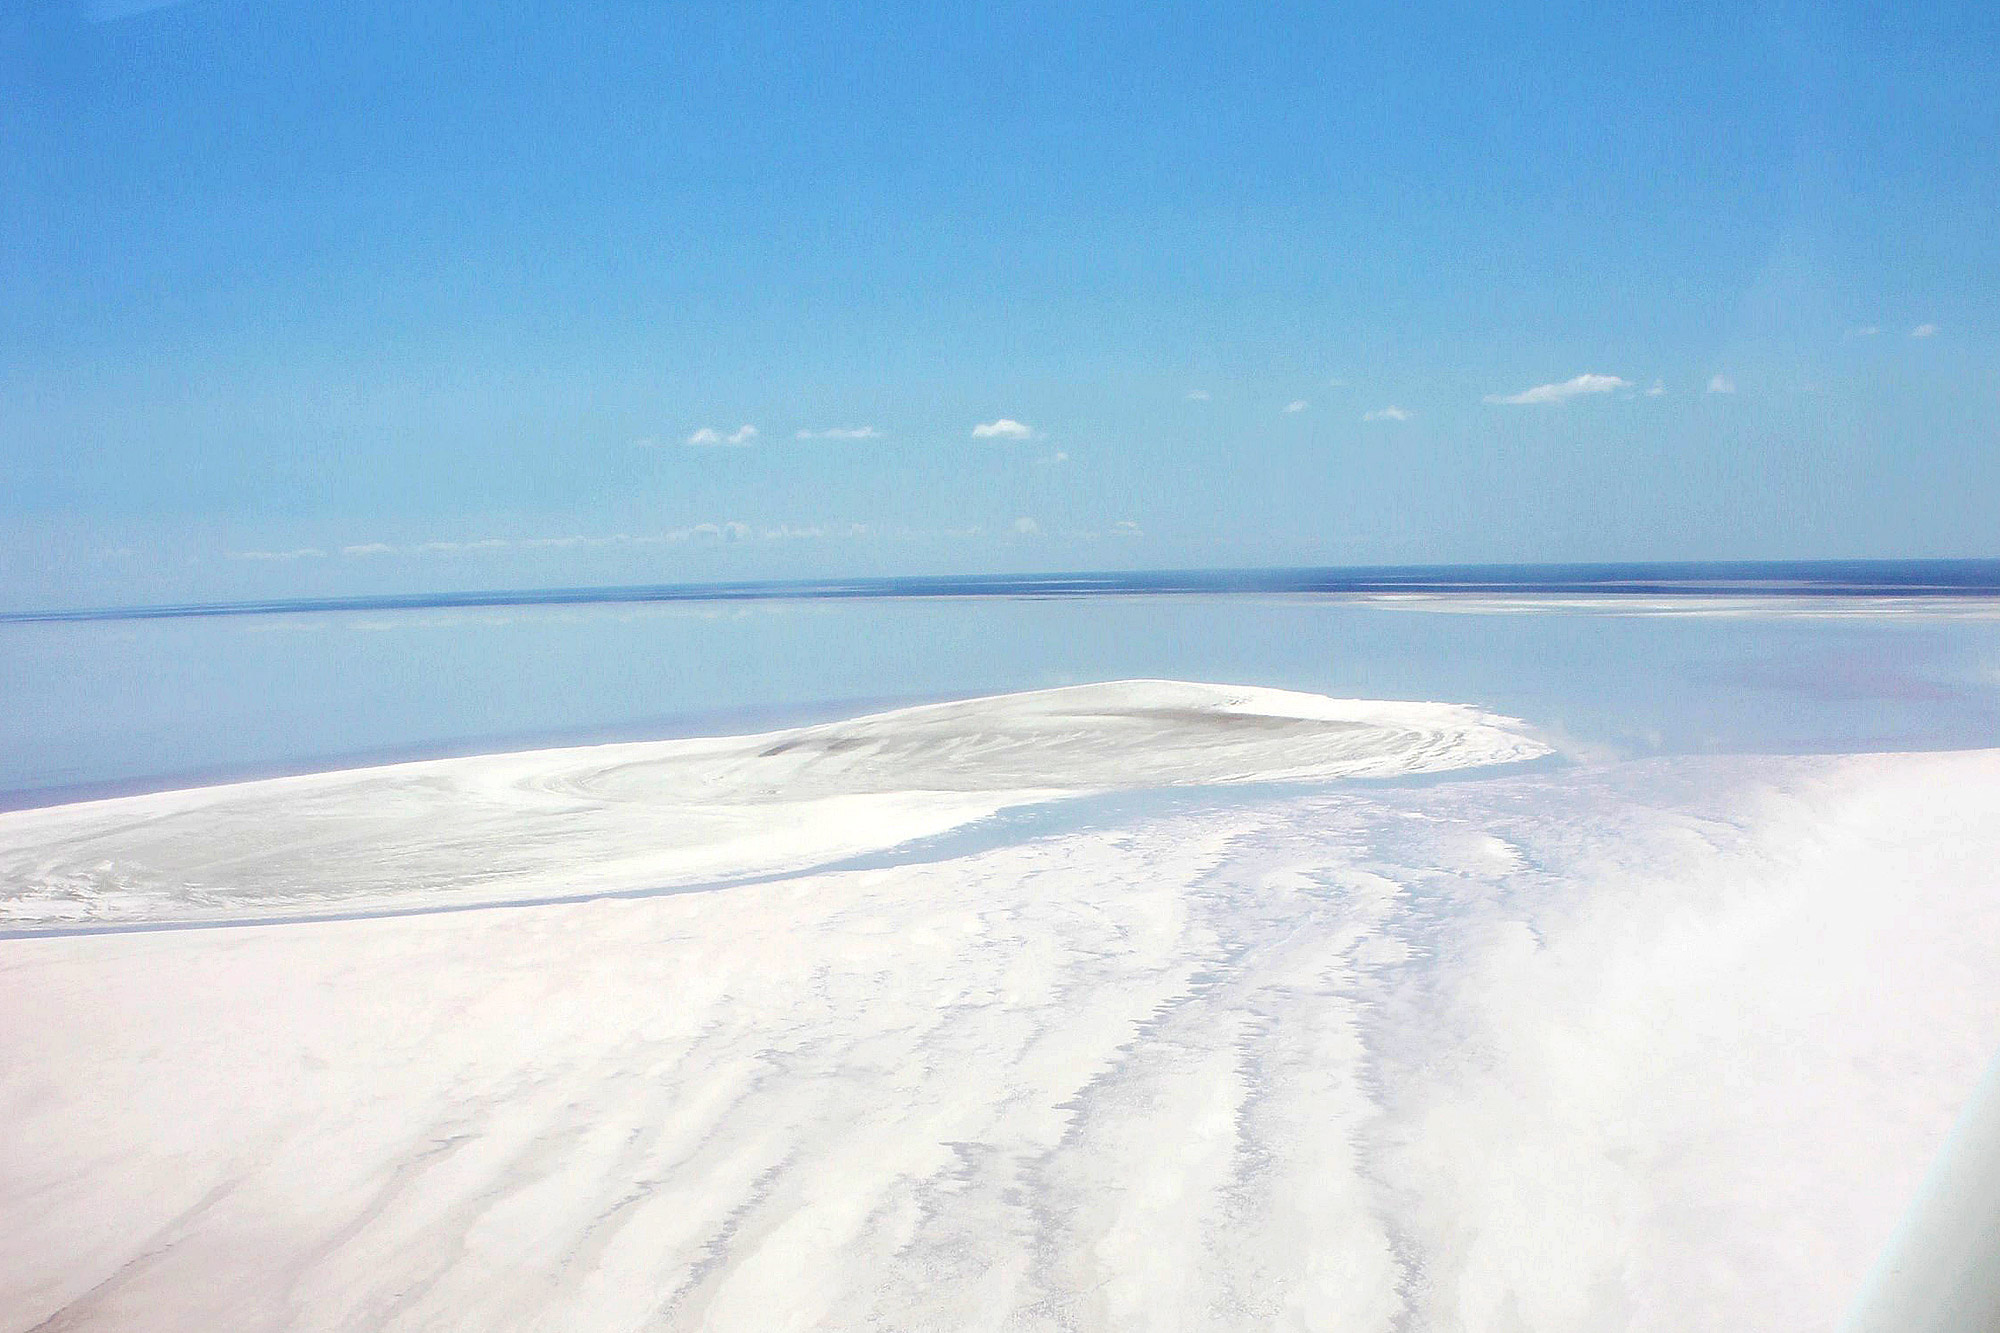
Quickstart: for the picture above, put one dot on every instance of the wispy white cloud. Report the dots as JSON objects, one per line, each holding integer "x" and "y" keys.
{"x": 785, "y": 532}
{"x": 840, "y": 433}
{"x": 1297, "y": 405}
{"x": 721, "y": 533}
{"x": 1387, "y": 414}
{"x": 1721, "y": 384}
{"x": 462, "y": 548}
{"x": 1563, "y": 392}
{"x": 1197, "y": 395}
{"x": 1864, "y": 331}
{"x": 709, "y": 436}
{"x": 1924, "y": 331}
{"x": 731, "y": 531}
{"x": 1657, "y": 388}
{"x": 1056, "y": 459}
{"x": 1006, "y": 428}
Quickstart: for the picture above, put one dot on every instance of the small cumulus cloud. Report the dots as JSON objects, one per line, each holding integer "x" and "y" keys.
{"x": 1387, "y": 414}
{"x": 1198, "y": 395}
{"x": 1865, "y": 331}
{"x": 1657, "y": 388}
{"x": 1006, "y": 428}
{"x": 1027, "y": 527}
{"x": 1721, "y": 384}
{"x": 1563, "y": 392}
{"x": 1125, "y": 527}
{"x": 1297, "y": 405}
{"x": 720, "y": 532}
{"x": 840, "y": 433}
{"x": 1056, "y": 459}
{"x": 709, "y": 436}
{"x": 1924, "y": 331}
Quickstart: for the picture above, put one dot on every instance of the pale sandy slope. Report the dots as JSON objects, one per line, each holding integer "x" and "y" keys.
{"x": 614, "y": 818}
{"x": 1649, "y": 1046}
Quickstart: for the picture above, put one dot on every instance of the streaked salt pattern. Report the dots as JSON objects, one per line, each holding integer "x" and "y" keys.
{"x": 1656, "y": 1046}
{"x": 616, "y": 818}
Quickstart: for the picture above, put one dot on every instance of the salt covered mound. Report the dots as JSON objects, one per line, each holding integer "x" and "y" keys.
{"x": 1085, "y": 737}
{"x": 630, "y": 817}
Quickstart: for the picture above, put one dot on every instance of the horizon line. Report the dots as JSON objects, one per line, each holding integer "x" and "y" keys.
{"x": 1960, "y": 577}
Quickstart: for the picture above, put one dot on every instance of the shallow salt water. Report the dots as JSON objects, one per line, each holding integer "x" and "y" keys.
{"x": 88, "y": 708}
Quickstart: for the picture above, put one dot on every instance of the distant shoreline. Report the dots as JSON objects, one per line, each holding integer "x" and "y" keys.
{"x": 1705, "y": 579}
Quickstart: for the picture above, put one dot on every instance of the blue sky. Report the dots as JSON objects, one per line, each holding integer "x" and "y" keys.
{"x": 302, "y": 297}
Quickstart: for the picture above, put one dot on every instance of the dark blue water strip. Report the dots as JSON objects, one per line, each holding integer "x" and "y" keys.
{"x": 1807, "y": 578}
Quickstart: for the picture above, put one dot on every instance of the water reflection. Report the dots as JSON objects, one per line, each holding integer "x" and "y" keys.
{"x": 90, "y": 706}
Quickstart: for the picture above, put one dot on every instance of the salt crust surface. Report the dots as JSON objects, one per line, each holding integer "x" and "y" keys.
{"x": 1658, "y": 1045}
{"x": 616, "y": 818}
